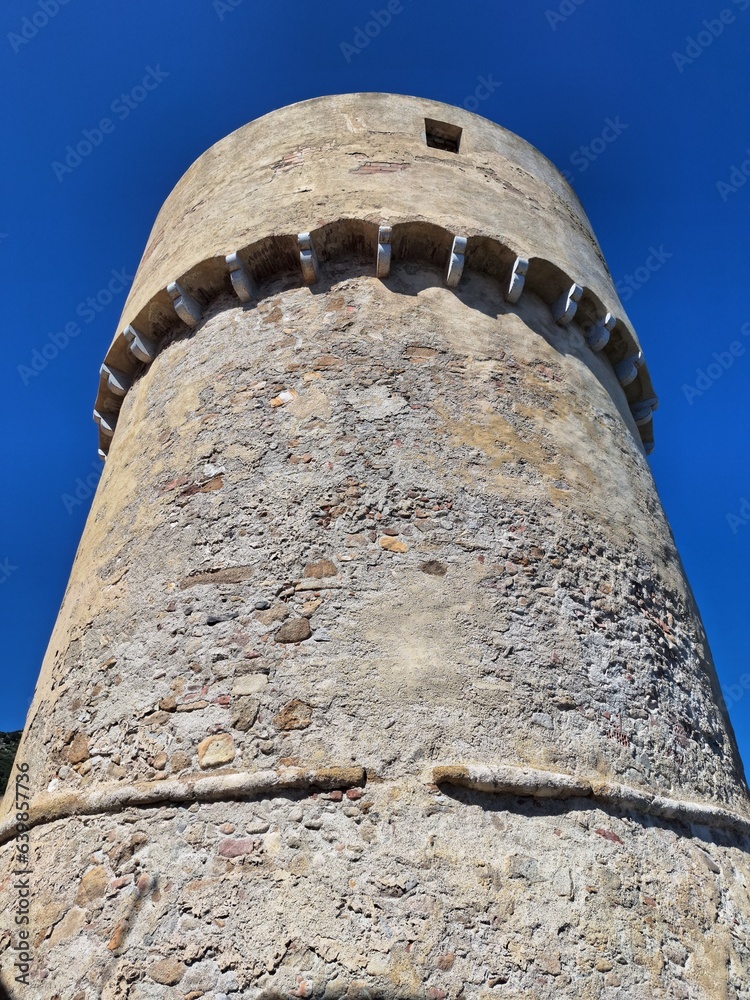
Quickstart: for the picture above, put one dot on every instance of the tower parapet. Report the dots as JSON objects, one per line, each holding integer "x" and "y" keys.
{"x": 241, "y": 202}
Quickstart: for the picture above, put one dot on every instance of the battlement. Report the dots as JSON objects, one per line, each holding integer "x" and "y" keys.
{"x": 243, "y": 272}
{"x": 348, "y": 172}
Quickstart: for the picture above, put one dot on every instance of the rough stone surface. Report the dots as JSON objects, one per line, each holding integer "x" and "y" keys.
{"x": 449, "y": 494}
{"x": 216, "y": 750}
{"x": 296, "y": 630}
{"x": 295, "y": 715}
{"x": 168, "y": 972}
{"x": 321, "y": 569}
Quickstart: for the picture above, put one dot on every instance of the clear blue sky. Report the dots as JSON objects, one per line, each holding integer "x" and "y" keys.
{"x": 671, "y": 179}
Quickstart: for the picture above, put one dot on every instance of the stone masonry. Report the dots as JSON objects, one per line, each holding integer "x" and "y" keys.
{"x": 378, "y": 675}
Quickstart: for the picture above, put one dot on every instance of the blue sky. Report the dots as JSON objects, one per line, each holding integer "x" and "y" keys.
{"x": 645, "y": 105}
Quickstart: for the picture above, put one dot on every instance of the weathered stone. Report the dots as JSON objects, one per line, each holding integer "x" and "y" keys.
{"x": 93, "y": 886}
{"x": 245, "y": 714}
{"x": 179, "y": 761}
{"x": 295, "y": 715}
{"x": 78, "y": 749}
{"x": 276, "y": 613}
{"x": 236, "y": 848}
{"x": 167, "y": 972}
{"x": 119, "y": 934}
{"x": 192, "y": 706}
{"x": 521, "y": 866}
{"x": 216, "y": 750}
{"x": 218, "y": 619}
{"x": 296, "y": 630}
{"x": 391, "y": 544}
{"x": 321, "y": 569}
{"x": 434, "y": 568}
{"x": 550, "y": 963}
{"x": 69, "y": 927}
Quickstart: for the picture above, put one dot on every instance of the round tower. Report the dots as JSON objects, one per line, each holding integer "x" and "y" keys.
{"x": 377, "y": 674}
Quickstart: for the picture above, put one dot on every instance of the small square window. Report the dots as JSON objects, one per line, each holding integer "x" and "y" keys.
{"x": 441, "y": 135}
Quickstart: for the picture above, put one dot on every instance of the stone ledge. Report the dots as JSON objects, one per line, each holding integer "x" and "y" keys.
{"x": 528, "y": 782}
{"x": 241, "y": 273}
{"x": 112, "y": 798}
{"x": 499, "y": 780}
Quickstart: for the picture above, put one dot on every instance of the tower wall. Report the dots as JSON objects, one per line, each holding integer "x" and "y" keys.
{"x": 377, "y": 672}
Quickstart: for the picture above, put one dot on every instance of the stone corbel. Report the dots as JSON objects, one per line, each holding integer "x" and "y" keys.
{"x": 383, "y": 263}
{"x": 517, "y": 280}
{"x": 118, "y": 382}
{"x": 186, "y": 307}
{"x": 242, "y": 281}
{"x": 627, "y": 369}
{"x": 598, "y": 336}
{"x": 308, "y": 259}
{"x": 644, "y": 410}
{"x": 141, "y": 347}
{"x": 565, "y": 308}
{"x": 457, "y": 262}
{"x": 107, "y": 422}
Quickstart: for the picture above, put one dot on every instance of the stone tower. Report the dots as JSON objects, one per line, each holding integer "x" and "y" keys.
{"x": 377, "y": 674}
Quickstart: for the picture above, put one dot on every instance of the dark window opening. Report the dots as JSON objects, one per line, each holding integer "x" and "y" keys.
{"x": 441, "y": 135}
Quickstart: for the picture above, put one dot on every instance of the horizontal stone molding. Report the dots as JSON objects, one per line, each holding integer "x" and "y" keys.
{"x": 498, "y": 780}
{"x": 222, "y": 786}
{"x": 241, "y": 274}
{"x": 529, "y": 782}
